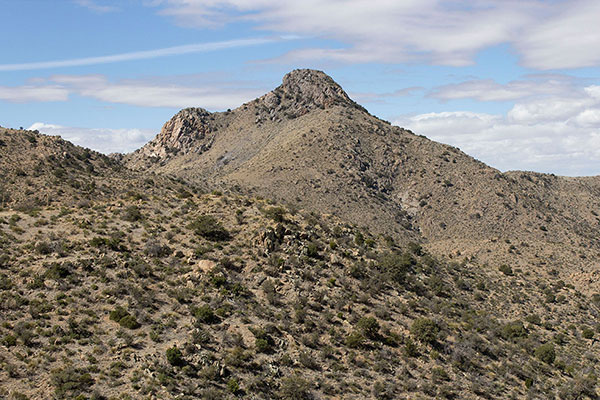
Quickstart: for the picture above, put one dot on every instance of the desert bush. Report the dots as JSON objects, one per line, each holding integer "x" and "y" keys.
{"x": 262, "y": 345}
{"x": 369, "y": 326}
{"x": 124, "y": 318}
{"x": 132, "y": 214}
{"x": 506, "y": 269}
{"x": 355, "y": 340}
{"x": 9, "y": 340}
{"x": 396, "y": 265}
{"x": 513, "y": 330}
{"x": 294, "y": 388}
{"x": 425, "y": 330}
{"x": 209, "y": 228}
{"x": 156, "y": 249}
{"x": 175, "y": 356}
{"x": 308, "y": 361}
{"x": 205, "y": 315}
{"x": 546, "y": 353}
{"x": 277, "y": 214}
{"x": 312, "y": 250}
{"x": 71, "y": 382}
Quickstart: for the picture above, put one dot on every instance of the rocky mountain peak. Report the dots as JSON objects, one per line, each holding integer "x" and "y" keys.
{"x": 315, "y": 86}
{"x": 302, "y": 91}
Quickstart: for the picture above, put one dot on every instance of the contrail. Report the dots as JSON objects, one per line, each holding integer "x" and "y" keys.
{"x": 143, "y": 55}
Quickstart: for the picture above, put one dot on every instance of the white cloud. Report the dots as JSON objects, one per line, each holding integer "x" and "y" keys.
{"x": 552, "y": 134}
{"x": 102, "y": 140}
{"x": 143, "y": 93}
{"x": 567, "y": 39}
{"x": 90, "y": 5}
{"x": 557, "y": 34}
{"x": 28, "y": 93}
{"x": 150, "y": 94}
{"x": 143, "y": 55}
{"x": 489, "y": 90}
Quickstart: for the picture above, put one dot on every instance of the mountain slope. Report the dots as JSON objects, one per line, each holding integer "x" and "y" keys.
{"x": 134, "y": 285}
{"x": 307, "y": 144}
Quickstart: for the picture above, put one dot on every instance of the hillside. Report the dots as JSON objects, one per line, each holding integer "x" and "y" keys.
{"x": 167, "y": 292}
{"x": 294, "y": 248}
{"x": 309, "y": 145}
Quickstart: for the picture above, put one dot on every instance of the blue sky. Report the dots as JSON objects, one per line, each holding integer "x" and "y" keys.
{"x": 515, "y": 84}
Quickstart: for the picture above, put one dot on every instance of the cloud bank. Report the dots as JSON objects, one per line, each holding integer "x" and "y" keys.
{"x": 103, "y": 140}
{"x": 550, "y": 134}
{"x": 136, "y": 92}
{"x": 546, "y": 35}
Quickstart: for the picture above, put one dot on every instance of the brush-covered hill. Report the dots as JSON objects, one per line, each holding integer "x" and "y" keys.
{"x": 167, "y": 292}
{"x": 277, "y": 264}
{"x": 309, "y": 145}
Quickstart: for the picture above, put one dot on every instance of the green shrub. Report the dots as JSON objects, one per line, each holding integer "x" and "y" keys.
{"x": 233, "y": 386}
{"x": 118, "y": 313}
{"x": 410, "y": 348}
{"x": 369, "y": 327}
{"x": 587, "y": 333}
{"x": 294, "y": 388}
{"x": 205, "y": 314}
{"x": 355, "y": 340}
{"x": 277, "y": 214}
{"x": 546, "y": 353}
{"x": 9, "y": 340}
{"x": 312, "y": 250}
{"x": 70, "y": 382}
{"x": 132, "y": 214}
{"x": 513, "y": 330}
{"x": 396, "y": 265}
{"x": 209, "y": 228}
{"x": 124, "y": 318}
{"x": 425, "y": 330}
{"x": 58, "y": 271}
{"x": 129, "y": 322}
{"x": 262, "y": 345}
{"x": 505, "y": 269}
{"x": 175, "y": 357}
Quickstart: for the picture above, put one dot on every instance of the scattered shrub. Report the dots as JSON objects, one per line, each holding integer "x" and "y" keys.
{"x": 396, "y": 265}
{"x": 369, "y": 327}
{"x": 205, "y": 314}
{"x": 513, "y": 330}
{"x": 71, "y": 382}
{"x": 506, "y": 269}
{"x": 175, "y": 357}
{"x": 277, "y": 214}
{"x": 294, "y": 388}
{"x": 124, "y": 318}
{"x": 209, "y": 228}
{"x": 355, "y": 340}
{"x": 587, "y": 333}
{"x": 132, "y": 214}
{"x": 546, "y": 353}
{"x": 425, "y": 330}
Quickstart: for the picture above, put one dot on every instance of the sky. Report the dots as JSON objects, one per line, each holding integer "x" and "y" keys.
{"x": 515, "y": 84}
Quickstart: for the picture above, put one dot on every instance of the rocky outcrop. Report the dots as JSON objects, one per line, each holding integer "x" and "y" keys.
{"x": 191, "y": 129}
